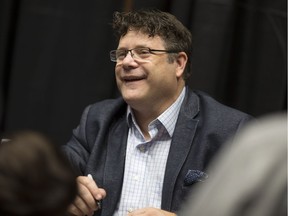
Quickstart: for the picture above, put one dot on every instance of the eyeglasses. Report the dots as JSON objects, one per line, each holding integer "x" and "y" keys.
{"x": 141, "y": 53}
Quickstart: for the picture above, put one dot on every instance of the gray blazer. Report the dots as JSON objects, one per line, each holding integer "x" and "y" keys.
{"x": 98, "y": 146}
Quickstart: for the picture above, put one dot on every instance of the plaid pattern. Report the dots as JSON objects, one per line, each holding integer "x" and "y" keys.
{"x": 146, "y": 160}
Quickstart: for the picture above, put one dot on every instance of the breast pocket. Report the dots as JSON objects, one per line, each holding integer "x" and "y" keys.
{"x": 194, "y": 176}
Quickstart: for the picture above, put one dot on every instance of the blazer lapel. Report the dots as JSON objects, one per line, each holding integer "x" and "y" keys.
{"x": 180, "y": 145}
{"x": 114, "y": 166}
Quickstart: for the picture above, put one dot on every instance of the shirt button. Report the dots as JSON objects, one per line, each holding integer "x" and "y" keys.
{"x": 136, "y": 177}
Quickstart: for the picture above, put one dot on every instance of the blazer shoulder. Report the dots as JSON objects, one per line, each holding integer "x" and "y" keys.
{"x": 103, "y": 113}
{"x": 212, "y": 106}
{"x": 107, "y": 107}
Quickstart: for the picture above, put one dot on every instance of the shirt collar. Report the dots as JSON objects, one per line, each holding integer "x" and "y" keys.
{"x": 168, "y": 118}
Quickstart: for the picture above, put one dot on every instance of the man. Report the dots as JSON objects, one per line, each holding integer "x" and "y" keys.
{"x": 148, "y": 148}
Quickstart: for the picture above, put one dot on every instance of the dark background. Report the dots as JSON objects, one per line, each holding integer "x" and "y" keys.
{"x": 54, "y": 57}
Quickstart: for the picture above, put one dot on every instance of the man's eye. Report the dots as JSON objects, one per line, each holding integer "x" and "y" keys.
{"x": 143, "y": 51}
{"x": 121, "y": 54}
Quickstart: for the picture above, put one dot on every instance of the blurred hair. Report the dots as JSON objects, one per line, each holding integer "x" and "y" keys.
{"x": 156, "y": 23}
{"x": 35, "y": 178}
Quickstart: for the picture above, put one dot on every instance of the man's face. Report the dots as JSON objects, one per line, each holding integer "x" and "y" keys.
{"x": 149, "y": 83}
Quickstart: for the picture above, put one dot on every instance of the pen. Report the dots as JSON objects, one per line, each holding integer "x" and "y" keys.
{"x": 98, "y": 202}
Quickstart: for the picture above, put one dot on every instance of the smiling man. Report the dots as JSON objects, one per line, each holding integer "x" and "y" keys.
{"x": 145, "y": 77}
{"x": 149, "y": 148}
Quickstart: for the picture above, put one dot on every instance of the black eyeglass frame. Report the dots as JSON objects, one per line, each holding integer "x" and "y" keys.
{"x": 113, "y": 57}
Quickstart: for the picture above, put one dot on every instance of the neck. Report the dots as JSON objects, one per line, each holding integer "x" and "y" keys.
{"x": 144, "y": 115}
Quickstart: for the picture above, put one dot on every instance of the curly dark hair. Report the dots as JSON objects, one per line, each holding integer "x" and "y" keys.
{"x": 154, "y": 22}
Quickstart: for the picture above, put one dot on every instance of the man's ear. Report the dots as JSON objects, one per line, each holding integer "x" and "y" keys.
{"x": 181, "y": 62}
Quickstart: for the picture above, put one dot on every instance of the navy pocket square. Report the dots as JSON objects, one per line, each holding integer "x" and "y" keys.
{"x": 193, "y": 176}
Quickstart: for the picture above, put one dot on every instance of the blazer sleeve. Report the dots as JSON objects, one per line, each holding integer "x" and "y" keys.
{"x": 77, "y": 149}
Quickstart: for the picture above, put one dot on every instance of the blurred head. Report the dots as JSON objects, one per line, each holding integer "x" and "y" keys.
{"x": 35, "y": 178}
{"x": 152, "y": 58}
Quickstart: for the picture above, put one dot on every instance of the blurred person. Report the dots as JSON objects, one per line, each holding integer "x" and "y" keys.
{"x": 35, "y": 177}
{"x": 147, "y": 148}
{"x": 249, "y": 176}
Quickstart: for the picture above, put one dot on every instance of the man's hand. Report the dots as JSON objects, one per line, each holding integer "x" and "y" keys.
{"x": 150, "y": 212}
{"x": 85, "y": 202}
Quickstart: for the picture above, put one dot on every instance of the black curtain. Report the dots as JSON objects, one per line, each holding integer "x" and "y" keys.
{"x": 54, "y": 57}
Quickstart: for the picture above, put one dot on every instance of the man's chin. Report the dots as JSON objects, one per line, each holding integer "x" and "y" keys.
{"x": 133, "y": 100}
{"x": 130, "y": 99}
